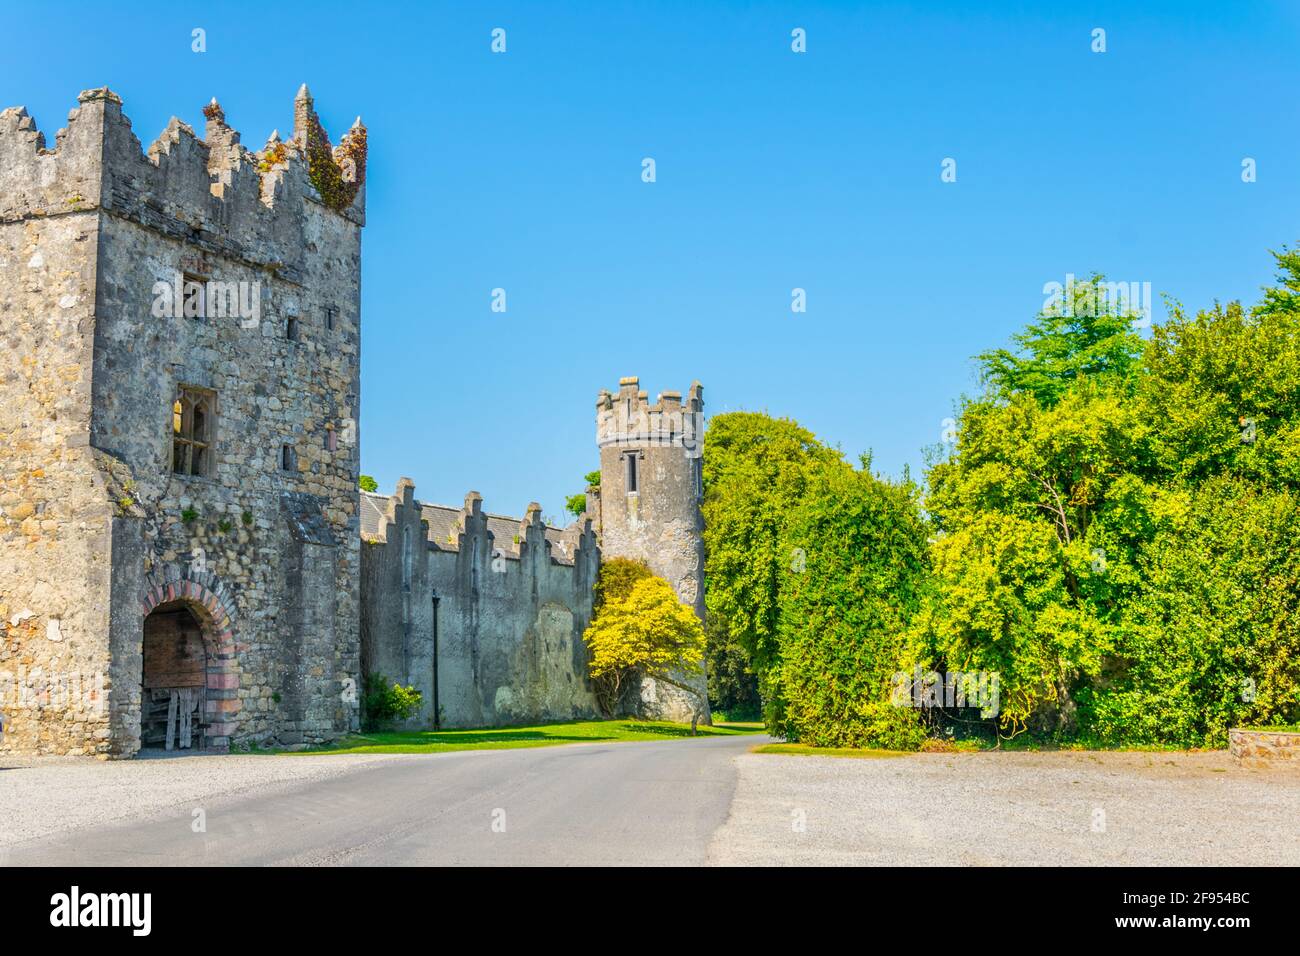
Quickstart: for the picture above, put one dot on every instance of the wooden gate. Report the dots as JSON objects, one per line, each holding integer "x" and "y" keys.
{"x": 175, "y": 674}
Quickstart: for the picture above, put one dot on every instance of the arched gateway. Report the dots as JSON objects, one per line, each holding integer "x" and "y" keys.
{"x": 189, "y": 686}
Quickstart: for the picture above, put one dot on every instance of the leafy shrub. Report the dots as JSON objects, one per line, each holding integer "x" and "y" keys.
{"x": 385, "y": 702}
{"x": 843, "y": 618}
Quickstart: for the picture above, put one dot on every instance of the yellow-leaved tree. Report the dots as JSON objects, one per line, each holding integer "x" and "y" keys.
{"x": 641, "y": 628}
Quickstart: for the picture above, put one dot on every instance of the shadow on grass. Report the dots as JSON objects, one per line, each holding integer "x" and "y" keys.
{"x": 500, "y": 738}
{"x": 458, "y": 738}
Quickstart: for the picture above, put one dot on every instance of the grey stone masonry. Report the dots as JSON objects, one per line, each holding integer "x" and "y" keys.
{"x": 498, "y": 614}
{"x": 648, "y": 506}
{"x": 179, "y": 398}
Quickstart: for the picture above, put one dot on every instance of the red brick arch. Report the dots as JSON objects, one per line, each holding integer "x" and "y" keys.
{"x": 214, "y": 613}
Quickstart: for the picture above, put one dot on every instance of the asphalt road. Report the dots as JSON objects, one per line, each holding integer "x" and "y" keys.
{"x": 620, "y": 803}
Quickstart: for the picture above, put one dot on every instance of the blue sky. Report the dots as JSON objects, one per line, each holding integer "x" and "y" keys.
{"x": 775, "y": 170}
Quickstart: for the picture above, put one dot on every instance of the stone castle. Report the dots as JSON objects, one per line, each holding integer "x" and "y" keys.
{"x": 185, "y": 557}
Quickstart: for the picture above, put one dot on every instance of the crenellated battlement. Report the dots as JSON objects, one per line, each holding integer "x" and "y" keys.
{"x": 446, "y": 528}
{"x": 212, "y": 193}
{"x": 626, "y": 417}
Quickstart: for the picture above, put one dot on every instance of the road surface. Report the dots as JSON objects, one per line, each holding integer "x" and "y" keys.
{"x": 687, "y": 802}
{"x": 618, "y": 803}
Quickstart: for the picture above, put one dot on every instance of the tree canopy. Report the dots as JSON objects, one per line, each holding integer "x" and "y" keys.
{"x": 1112, "y": 534}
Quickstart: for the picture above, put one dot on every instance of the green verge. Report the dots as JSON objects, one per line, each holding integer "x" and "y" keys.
{"x": 803, "y": 750}
{"x": 507, "y": 738}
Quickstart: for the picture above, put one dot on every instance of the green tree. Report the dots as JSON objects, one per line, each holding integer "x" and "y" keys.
{"x": 1092, "y": 338}
{"x": 733, "y": 685}
{"x": 368, "y": 484}
{"x": 1112, "y": 525}
{"x": 844, "y": 617}
{"x": 576, "y": 505}
{"x": 756, "y": 471}
{"x": 1221, "y": 392}
{"x": 1213, "y": 639}
{"x": 643, "y": 631}
{"x": 615, "y": 580}
{"x": 1039, "y": 514}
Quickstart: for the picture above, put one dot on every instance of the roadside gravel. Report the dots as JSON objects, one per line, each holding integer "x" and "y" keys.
{"x": 41, "y": 796}
{"x": 1056, "y": 808}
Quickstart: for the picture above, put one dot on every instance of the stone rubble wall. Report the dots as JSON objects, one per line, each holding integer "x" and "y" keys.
{"x": 1250, "y": 746}
{"x": 55, "y": 513}
{"x": 510, "y": 617}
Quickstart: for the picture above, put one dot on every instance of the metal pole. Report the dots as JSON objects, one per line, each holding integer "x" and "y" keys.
{"x": 437, "y": 711}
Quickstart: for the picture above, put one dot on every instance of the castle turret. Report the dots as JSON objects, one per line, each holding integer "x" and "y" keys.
{"x": 649, "y": 502}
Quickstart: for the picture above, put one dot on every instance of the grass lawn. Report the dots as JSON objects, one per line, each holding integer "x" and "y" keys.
{"x": 506, "y": 738}
{"x": 803, "y": 750}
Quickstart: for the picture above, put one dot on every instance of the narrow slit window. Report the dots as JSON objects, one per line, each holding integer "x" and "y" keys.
{"x": 291, "y": 329}
{"x": 288, "y": 458}
{"x": 631, "y": 473}
{"x": 331, "y": 438}
{"x": 331, "y": 317}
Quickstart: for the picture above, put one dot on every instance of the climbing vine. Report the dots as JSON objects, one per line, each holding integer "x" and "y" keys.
{"x": 336, "y": 174}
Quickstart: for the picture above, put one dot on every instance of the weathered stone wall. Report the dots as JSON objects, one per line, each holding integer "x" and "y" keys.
{"x": 268, "y": 559}
{"x": 659, "y": 521}
{"x": 1253, "y": 746}
{"x": 55, "y": 515}
{"x": 510, "y": 612}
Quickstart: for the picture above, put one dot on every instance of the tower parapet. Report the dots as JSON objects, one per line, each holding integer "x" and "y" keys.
{"x": 626, "y": 418}
{"x": 212, "y": 193}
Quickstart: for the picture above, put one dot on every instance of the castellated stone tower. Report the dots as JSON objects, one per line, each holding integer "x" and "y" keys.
{"x": 179, "y": 396}
{"x": 648, "y": 503}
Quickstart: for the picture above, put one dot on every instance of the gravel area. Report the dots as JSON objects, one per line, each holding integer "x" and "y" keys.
{"x": 1062, "y": 808}
{"x": 47, "y": 795}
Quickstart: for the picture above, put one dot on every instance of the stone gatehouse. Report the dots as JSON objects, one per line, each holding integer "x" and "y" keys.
{"x": 179, "y": 390}
{"x": 185, "y": 558}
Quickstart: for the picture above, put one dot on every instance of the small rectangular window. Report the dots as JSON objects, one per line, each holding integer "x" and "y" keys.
{"x": 331, "y": 317}
{"x": 331, "y": 438}
{"x": 193, "y": 421}
{"x": 288, "y": 458}
{"x": 631, "y": 472}
{"x": 291, "y": 329}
